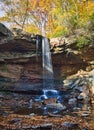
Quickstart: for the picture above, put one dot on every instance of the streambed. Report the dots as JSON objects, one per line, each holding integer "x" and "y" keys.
{"x": 24, "y": 106}
{"x": 49, "y": 110}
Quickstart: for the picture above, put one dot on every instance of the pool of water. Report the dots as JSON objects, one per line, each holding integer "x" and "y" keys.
{"x": 46, "y": 102}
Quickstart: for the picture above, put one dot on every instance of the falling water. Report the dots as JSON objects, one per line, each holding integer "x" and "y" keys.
{"x": 48, "y": 78}
{"x": 48, "y": 90}
{"x": 37, "y": 44}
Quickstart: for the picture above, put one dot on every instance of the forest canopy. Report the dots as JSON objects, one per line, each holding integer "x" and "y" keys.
{"x": 59, "y": 17}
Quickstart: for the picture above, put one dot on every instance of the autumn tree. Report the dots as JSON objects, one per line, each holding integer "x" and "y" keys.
{"x": 16, "y": 11}
{"x": 48, "y": 17}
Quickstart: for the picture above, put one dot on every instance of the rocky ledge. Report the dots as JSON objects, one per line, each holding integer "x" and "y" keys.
{"x": 18, "y": 56}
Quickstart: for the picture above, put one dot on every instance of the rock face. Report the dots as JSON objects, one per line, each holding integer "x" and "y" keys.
{"x": 11, "y": 71}
{"x": 20, "y": 72}
{"x": 18, "y": 59}
{"x": 4, "y": 31}
{"x": 81, "y": 83}
{"x": 18, "y": 46}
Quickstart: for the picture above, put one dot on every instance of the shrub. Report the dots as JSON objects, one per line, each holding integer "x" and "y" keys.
{"x": 92, "y": 22}
{"x": 59, "y": 31}
{"x": 82, "y": 41}
{"x": 72, "y": 23}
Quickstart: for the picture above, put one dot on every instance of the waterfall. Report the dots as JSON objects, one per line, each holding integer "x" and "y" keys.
{"x": 48, "y": 87}
{"x": 48, "y": 78}
{"x": 37, "y": 47}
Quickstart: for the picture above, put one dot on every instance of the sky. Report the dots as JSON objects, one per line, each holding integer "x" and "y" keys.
{"x": 2, "y": 13}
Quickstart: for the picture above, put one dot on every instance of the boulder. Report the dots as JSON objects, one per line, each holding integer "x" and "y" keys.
{"x": 70, "y": 125}
{"x": 72, "y": 101}
{"x": 57, "y": 41}
{"x": 57, "y": 106}
{"x": 82, "y": 86}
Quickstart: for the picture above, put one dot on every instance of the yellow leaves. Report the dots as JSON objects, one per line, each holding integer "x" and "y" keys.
{"x": 59, "y": 28}
{"x": 41, "y": 3}
{"x": 56, "y": 11}
{"x": 32, "y": 29}
{"x": 56, "y": 14}
{"x": 34, "y": 4}
{"x": 90, "y": 7}
{"x": 59, "y": 31}
{"x": 85, "y": 10}
{"x": 44, "y": 5}
{"x": 4, "y": 18}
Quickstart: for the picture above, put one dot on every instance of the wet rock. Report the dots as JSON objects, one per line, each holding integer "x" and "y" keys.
{"x": 81, "y": 96}
{"x": 47, "y": 126}
{"x": 53, "y": 115}
{"x": 85, "y": 114}
{"x": 72, "y": 83}
{"x": 30, "y": 103}
{"x": 85, "y": 128}
{"x": 1, "y": 96}
{"x": 32, "y": 114}
{"x": 66, "y": 82}
{"x": 72, "y": 101}
{"x": 92, "y": 73}
{"x": 92, "y": 100}
{"x": 36, "y": 104}
{"x": 13, "y": 121}
{"x": 35, "y": 127}
{"x": 26, "y": 128}
{"x": 76, "y": 108}
{"x": 79, "y": 88}
{"x": 70, "y": 126}
{"x": 58, "y": 106}
{"x": 84, "y": 96}
{"x": 92, "y": 84}
{"x": 49, "y": 101}
{"x": 86, "y": 107}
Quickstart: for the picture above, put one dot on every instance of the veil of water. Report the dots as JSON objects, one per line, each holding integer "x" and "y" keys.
{"x": 37, "y": 42}
{"x": 48, "y": 78}
{"x": 48, "y": 87}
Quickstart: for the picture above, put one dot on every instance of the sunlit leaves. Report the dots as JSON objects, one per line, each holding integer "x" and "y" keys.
{"x": 60, "y": 14}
